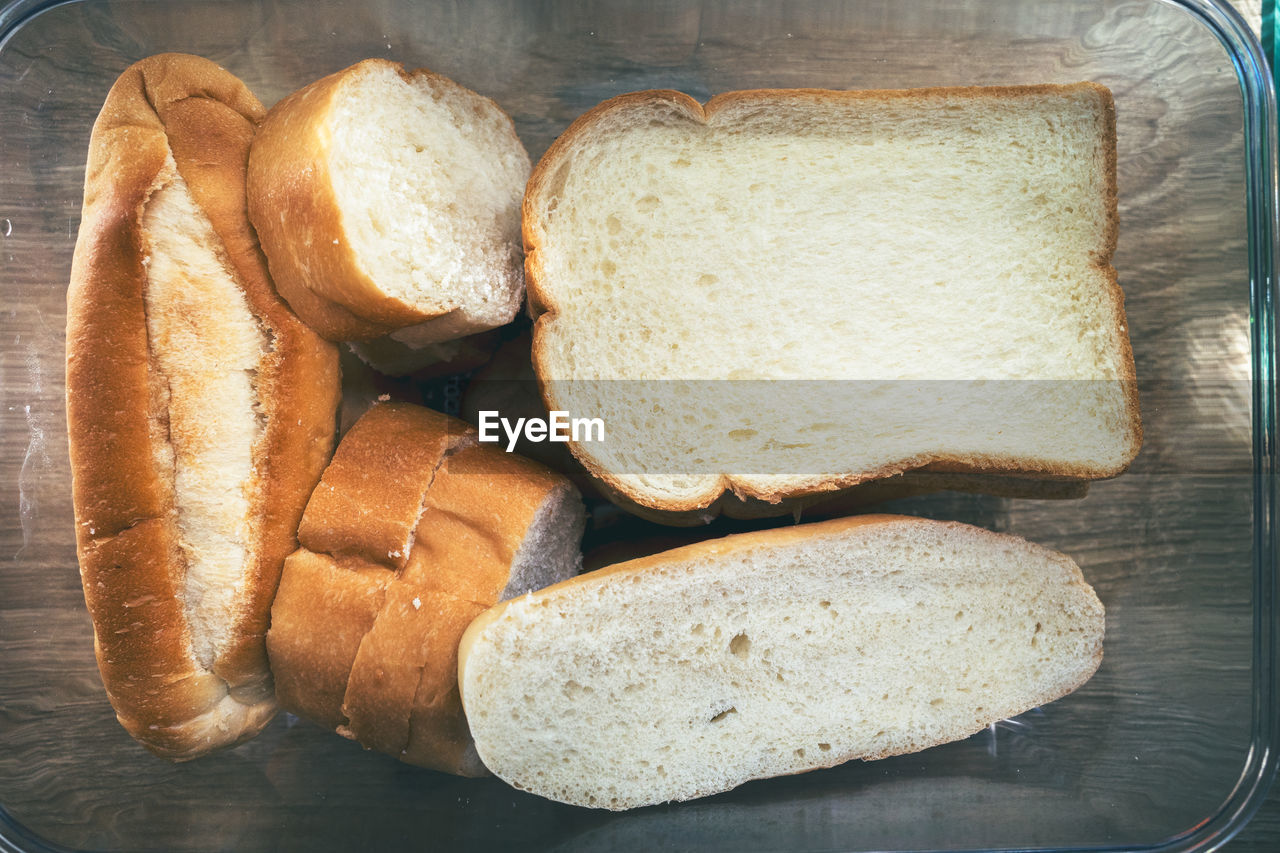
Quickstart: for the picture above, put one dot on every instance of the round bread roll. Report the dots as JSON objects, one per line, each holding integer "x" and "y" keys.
{"x": 388, "y": 203}
{"x": 200, "y": 410}
{"x": 414, "y": 530}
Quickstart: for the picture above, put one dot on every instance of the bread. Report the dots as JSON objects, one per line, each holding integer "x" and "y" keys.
{"x": 785, "y": 293}
{"x": 388, "y": 203}
{"x": 692, "y": 671}
{"x": 413, "y": 531}
{"x": 200, "y": 410}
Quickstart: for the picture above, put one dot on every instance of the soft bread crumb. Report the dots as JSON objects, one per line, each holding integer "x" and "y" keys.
{"x": 206, "y": 347}
{"x": 429, "y": 176}
{"x": 551, "y": 550}
{"x": 688, "y": 673}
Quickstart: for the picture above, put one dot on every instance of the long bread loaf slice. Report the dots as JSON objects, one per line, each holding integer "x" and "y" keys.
{"x": 695, "y": 670}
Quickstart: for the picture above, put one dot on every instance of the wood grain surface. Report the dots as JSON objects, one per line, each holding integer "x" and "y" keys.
{"x": 1150, "y": 747}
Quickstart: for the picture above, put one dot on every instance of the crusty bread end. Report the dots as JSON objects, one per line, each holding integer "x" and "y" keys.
{"x": 388, "y": 202}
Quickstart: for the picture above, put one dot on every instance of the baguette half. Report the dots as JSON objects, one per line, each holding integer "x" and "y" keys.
{"x": 692, "y": 671}
{"x": 200, "y": 410}
{"x": 789, "y": 292}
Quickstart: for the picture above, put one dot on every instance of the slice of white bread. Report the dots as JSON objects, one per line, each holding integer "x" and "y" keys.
{"x": 695, "y": 670}
{"x": 200, "y": 410}
{"x": 788, "y": 292}
{"x": 414, "y": 530}
{"x": 388, "y": 202}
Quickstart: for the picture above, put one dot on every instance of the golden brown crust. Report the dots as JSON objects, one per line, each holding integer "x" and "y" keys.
{"x": 292, "y": 205}
{"x": 474, "y": 520}
{"x": 385, "y": 674}
{"x": 140, "y": 628}
{"x": 371, "y": 495}
{"x": 726, "y": 489}
{"x": 321, "y": 613}
{"x": 438, "y": 733}
{"x": 432, "y": 522}
{"x": 202, "y": 116}
{"x": 1104, "y": 262}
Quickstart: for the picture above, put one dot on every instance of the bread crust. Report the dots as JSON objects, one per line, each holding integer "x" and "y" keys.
{"x": 726, "y": 489}
{"x": 332, "y": 606}
{"x": 131, "y": 565}
{"x": 370, "y": 498}
{"x": 474, "y": 522}
{"x": 411, "y": 533}
{"x": 293, "y": 205}
{"x": 314, "y": 268}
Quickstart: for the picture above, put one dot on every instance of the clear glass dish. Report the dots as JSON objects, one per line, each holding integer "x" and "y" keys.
{"x": 1170, "y": 746}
